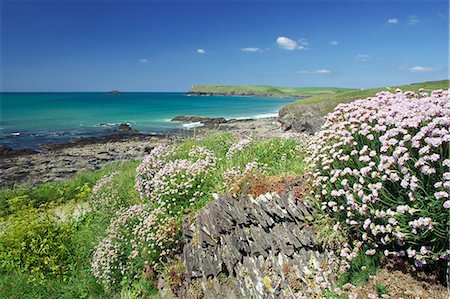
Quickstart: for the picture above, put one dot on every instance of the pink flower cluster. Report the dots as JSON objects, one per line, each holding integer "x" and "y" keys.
{"x": 151, "y": 164}
{"x": 237, "y": 147}
{"x": 381, "y": 167}
{"x": 173, "y": 183}
{"x": 104, "y": 196}
{"x": 137, "y": 233}
{"x": 104, "y": 180}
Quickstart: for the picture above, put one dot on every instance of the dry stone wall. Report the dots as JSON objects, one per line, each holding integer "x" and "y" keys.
{"x": 250, "y": 248}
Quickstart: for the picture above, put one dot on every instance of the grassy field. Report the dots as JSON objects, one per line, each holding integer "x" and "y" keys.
{"x": 325, "y": 103}
{"x": 44, "y": 255}
{"x": 269, "y": 90}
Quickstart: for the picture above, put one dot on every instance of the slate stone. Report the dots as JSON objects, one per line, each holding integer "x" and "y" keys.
{"x": 245, "y": 241}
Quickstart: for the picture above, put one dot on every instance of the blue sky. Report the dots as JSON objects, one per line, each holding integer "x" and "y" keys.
{"x": 171, "y": 45}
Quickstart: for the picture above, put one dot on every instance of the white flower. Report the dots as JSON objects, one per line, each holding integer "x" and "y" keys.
{"x": 441, "y": 194}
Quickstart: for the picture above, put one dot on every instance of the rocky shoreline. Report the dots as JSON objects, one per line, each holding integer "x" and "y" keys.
{"x": 59, "y": 162}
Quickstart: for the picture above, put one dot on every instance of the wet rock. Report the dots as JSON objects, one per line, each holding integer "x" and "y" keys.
{"x": 202, "y": 119}
{"x": 125, "y": 128}
{"x": 7, "y": 152}
{"x": 60, "y": 162}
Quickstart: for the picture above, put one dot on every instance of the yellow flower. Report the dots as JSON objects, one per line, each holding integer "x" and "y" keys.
{"x": 267, "y": 283}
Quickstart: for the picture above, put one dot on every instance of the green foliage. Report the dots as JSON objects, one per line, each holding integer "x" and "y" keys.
{"x": 361, "y": 267}
{"x": 381, "y": 289}
{"x": 115, "y": 189}
{"x": 280, "y": 156}
{"x": 33, "y": 242}
{"x": 44, "y": 251}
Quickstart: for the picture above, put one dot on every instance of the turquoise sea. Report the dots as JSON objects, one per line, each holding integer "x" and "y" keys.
{"x": 30, "y": 119}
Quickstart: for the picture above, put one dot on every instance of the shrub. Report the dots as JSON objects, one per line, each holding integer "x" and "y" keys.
{"x": 105, "y": 195}
{"x": 178, "y": 183}
{"x": 381, "y": 170}
{"x": 33, "y": 242}
{"x": 138, "y": 236}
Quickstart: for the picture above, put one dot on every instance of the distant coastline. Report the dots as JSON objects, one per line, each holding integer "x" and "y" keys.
{"x": 242, "y": 94}
{"x": 266, "y": 91}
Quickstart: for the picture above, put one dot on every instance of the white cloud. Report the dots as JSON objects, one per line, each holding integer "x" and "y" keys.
{"x": 289, "y": 44}
{"x": 334, "y": 43}
{"x": 251, "y": 49}
{"x": 286, "y": 43}
{"x": 319, "y": 72}
{"x": 393, "y": 21}
{"x": 422, "y": 69}
{"x": 363, "y": 57}
{"x": 322, "y": 71}
{"x": 201, "y": 51}
{"x": 143, "y": 60}
{"x": 412, "y": 20}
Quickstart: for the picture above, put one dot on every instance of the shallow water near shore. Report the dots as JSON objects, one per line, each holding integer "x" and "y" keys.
{"x": 29, "y": 119}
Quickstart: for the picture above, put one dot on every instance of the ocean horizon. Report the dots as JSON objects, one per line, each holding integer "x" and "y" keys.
{"x": 28, "y": 119}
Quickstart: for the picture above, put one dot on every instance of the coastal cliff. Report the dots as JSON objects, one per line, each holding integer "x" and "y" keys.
{"x": 261, "y": 91}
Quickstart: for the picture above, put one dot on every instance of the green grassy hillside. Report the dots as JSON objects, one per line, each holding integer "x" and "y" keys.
{"x": 325, "y": 103}
{"x": 275, "y": 91}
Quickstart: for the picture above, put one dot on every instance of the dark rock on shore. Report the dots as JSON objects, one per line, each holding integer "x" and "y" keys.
{"x": 211, "y": 120}
{"x": 202, "y": 119}
{"x": 7, "y": 152}
{"x": 301, "y": 119}
{"x": 125, "y": 128}
{"x": 97, "y": 140}
{"x": 59, "y": 162}
{"x": 250, "y": 248}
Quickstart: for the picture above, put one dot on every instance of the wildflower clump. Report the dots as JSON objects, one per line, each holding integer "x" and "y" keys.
{"x": 178, "y": 183}
{"x": 105, "y": 196}
{"x": 138, "y": 236}
{"x": 381, "y": 170}
{"x": 103, "y": 181}
{"x": 238, "y": 147}
{"x": 150, "y": 166}
{"x": 235, "y": 179}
